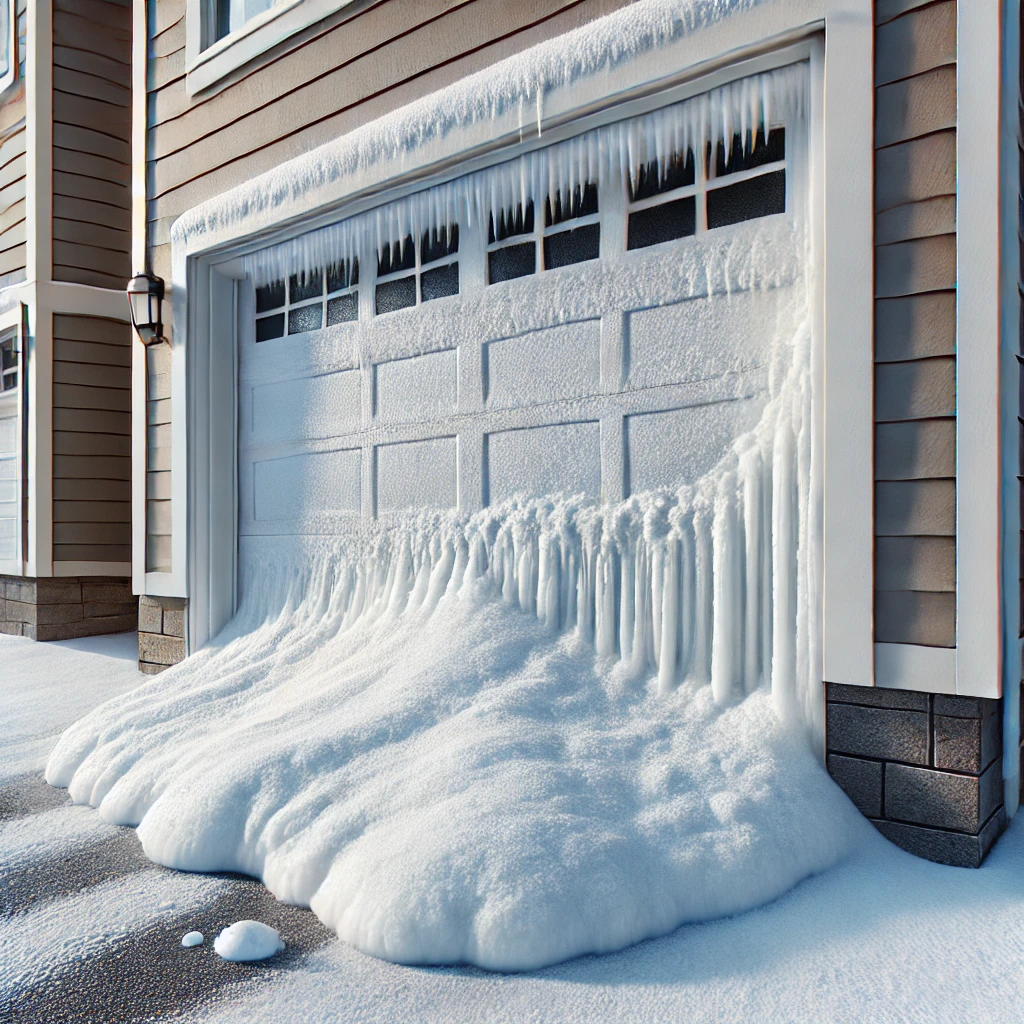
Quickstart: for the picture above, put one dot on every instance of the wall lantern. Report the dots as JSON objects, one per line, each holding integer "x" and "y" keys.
{"x": 145, "y": 295}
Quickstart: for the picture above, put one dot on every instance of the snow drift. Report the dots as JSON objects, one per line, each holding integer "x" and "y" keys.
{"x": 506, "y": 739}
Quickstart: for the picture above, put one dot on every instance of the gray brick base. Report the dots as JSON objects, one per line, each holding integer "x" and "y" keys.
{"x": 925, "y": 768}
{"x": 66, "y": 607}
{"x": 161, "y": 633}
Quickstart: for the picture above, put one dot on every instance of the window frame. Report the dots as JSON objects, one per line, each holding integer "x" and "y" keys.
{"x": 11, "y": 75}
{"x": 208, "y": 61}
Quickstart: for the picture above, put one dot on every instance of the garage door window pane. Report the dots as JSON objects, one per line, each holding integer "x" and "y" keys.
{"x": 440, "y": 282}
{"x": 343, "y": 276}
{"x": 567, "y": 247}
{"x": 514, "y": 223}
{"x": 746, "y": 200}
{"x": 677, "y": 219}
{"x": 343, "y": 309}
{"x": 650, "y": 181}
{"x": 763, "y": 152}
{"x": 395, "y": 258}
{"x": 394, "y": 295}
{"x": 305, "y": 318}
{"x": 310, "y": 288}
{"x": 511, "y": 262}
{"x": 270, "y": 297}
{"x": 436, "y": 245}
{"x": 268, "y": 327}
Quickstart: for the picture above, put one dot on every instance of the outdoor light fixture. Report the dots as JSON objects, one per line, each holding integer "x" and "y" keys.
{"x": 145, "y": 294}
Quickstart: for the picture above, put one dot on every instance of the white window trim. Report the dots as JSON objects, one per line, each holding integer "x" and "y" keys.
{"x": 10, "y": 76}
{"x": 204, "y": 67}
{"x": 841, "y": 172}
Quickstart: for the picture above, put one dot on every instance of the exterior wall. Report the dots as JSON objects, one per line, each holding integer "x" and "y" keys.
{"x": 915, "y": 323}
{"x": 13, "y": 164}
{"x": 91, "y": 440}
{"x": 161, "y": 633}
{"x": 92, "y": 142}
{"x": 925, "y": 768}
{"x": 347, "y": 71}
{"x": 63, "y": 609}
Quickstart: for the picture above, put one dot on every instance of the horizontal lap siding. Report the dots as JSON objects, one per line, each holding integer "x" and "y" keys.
{"x": 91, "y": 439}
{"x": 348, "y": 72}
{"x": 915, "y": 322}
{"x": 92, "y": 142}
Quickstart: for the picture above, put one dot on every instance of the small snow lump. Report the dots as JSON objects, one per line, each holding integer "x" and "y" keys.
{"x": 248, "y": 940}
{"x": 192, "y": 939}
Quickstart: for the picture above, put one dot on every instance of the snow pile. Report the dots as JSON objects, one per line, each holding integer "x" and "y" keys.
{"x": 191, "y": 939}
{"x": 247, "y": 940}
{"x": 608, "y": 155}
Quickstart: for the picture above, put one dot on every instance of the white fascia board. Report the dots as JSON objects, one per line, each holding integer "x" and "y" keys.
{"x": 84, "y": 300}
{"x": 980, "y": 618}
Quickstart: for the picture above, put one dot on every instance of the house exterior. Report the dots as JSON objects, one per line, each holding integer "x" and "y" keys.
{"x": 65, "y": 398}
{"x": 363, "y": 321}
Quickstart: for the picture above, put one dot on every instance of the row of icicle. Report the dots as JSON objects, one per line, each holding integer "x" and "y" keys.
{"x": 607, "y": 155}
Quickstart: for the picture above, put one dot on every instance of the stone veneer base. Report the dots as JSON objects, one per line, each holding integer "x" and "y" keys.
{"x": 161, "y": 633}
{"x": 66, "y": 607}
{"x": 924, "y": 768}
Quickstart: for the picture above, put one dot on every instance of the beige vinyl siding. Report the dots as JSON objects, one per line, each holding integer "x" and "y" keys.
{"x": 92, "y": 142}
{"x": 91, "y": 439}
{"x": 915, "y": 322}
{"x": 345, "y": 72}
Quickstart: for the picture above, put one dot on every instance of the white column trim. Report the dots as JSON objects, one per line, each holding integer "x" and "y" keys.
{"x": 848, "y": 250}
{"x": 914, "y": 667}
{"x": 980, "y": 619}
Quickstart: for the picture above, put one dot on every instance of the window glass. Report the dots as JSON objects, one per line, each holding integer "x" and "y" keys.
{"x": 6, "y": 57}
{"x": 8, "y": 364}
{"x": 231, "y": 15}
{"x": 746, "y": 200}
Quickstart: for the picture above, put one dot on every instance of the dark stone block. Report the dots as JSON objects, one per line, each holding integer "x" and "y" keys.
{"x": 967, "y": 744}
{"x": 964, "y": 707}
{"x": 876, "y": 697}
{"x": 924, "y": 796}
{"x": 860, "y": 780}
{"x": 877, "y": 732}
{"x": 954, "y": 848}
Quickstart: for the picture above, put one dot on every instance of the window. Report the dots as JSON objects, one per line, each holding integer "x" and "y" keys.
{"x": 724, "y": 188}
{"x": 8, "y": 363}
{"x": 323, "y": 299}
{"x": 571, "y": 233}
{"x": 409, "y": 274}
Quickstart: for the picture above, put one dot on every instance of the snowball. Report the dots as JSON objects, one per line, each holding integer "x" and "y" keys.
{"x": 192, "y": 939}
{"x": 247, "y": 940}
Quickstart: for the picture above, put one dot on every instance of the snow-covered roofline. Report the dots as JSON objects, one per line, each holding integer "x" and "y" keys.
{"x": 517, "y": 90}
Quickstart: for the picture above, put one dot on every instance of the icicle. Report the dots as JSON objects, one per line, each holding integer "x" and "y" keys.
{"x": 669, "y": 618}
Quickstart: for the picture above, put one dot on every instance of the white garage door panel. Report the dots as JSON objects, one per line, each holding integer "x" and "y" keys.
{"x": 562, "y": 458}
{"x": 307, "y": 408}
{"x": 681, "y": 445}
{"x": 419, "y": 388}
{"x": 701, "y": 338}
{"x": 302, "y": 485}
{"x": 418, "y": 474}
{"x": 557, "y": 363}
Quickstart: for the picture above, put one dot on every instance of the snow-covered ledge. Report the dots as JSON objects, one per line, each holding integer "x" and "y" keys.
{"x": 566, "y": 85}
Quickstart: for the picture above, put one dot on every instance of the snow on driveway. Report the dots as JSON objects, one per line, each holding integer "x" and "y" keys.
{"x": 882, "y": 937}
